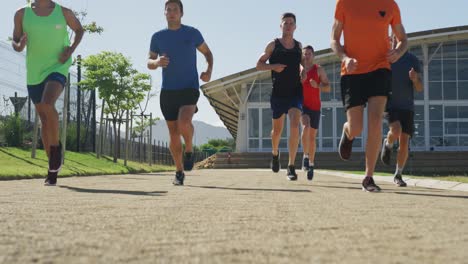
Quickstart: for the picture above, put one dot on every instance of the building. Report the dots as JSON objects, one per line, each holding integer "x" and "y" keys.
{"x": 441, "y": 115}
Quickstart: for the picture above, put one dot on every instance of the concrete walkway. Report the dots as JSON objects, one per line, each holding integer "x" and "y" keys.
{"x": 229, "y": 216}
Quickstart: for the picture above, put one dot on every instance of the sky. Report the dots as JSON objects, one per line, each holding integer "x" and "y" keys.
{"x": 236, "y": 31}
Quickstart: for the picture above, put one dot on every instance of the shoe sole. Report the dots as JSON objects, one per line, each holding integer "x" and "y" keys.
{"x": 276, "y": 171}
{"x": 375, "y": 191}
{"x": 290, "y": 179}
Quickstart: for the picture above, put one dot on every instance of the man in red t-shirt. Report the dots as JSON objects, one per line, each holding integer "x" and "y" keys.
{"x": 314, "y": 78}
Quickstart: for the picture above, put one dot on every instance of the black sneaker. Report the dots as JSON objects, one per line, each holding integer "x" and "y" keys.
{"x": 275, "y": 163}
{"x": 369, "y": 185}
{"x": 310, "y": 173}
{"x": 305, "y": 164}
{"x": 398, "y": 180}
{"x": 188, "y": 161}
{"x": 385, "y": 153}
{"x": 179, "y": 178}
{"x": 346, "y": 147}
{"x": 51, "y": 179}
{"x": 55, "y": 160}
{"x": 292, "y": 176}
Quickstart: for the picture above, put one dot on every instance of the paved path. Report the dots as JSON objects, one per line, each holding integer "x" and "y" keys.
{"x": 236, "y": 216}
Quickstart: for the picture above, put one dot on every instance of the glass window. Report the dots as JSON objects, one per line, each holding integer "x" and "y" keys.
{"x": 419, "y": 128}
{"x": 463, "y": 111}
{"x": 255, "y": 94}
{"x": 337, "y": 89}
{"x": 337, "y": 71}
{"x": 462, "y": 90}
{"x": 326, "y": 96}
{"x": 435, "y": 112}
{"x": 437, "y": 141}
{"x": 462, "y": 49}
{"x": 450, "y": 70}
{"x": 254, "y": 144}
{"x": 432, "y": 51}
{"x": 450, "y": 90}
{"x": 463, "y": 69}
{"x": 357, "y": 143}
{"x": 435, "y": 70}
{"x": 450, "y": 50}
{"x": 451, "y": 112}
{"x": 417, "y": 141}
{"x": 436, "y": 128}
{"x": 266, "y": 122}
{"x": 340, "y": 120}
{"x": 451, "y": 141}
{"x": 267, "y": 88}
{"x": 266, "y": 144}
{"x": 327, "y": 122}
{"x": 435, "y": 91}
{"x": 419, "y": 95}
{"x": 327, "y": 143}
{"x": 254, "y": 122}
{"x": 417, "y": 51}
{"x": 463, "y": 128}
{"x": 463, "y": 141}
{"x": 419, "y": 112}
{"x": 451, "y": 128}
{"x": 283, "y": 144}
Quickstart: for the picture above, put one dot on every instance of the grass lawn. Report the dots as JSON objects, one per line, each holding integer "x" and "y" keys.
{"x": 16, "y": 163}
{"x": 455, "y": 178}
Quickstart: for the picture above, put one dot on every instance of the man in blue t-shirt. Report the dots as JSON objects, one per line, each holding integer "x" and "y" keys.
{"x": 406, "y": 78}
{"x": 175, "y": 50}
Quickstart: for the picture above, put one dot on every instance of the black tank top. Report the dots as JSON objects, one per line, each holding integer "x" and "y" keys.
{"x": 288, "y": 82}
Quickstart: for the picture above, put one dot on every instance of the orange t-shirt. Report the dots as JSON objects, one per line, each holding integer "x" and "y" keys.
{"x": 365, "y": 29}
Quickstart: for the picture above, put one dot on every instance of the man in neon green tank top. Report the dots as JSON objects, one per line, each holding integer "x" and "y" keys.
{"x": 42, "y": 26}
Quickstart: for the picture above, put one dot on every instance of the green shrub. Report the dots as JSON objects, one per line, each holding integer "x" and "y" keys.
{"x": 13, "y": 130}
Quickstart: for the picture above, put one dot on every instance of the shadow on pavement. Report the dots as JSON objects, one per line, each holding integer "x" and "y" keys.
{"x": 333, "y": 187}
{"x": 249, "y": 189}
{"x": 433, "y": 195}
{"x": 83, "y": 190}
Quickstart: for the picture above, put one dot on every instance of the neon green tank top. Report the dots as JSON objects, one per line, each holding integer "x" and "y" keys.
{"x": 47, "y": 38}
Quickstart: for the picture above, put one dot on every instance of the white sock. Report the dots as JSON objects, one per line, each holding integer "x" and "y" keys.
{"x": 311, "y": 164}
{"x": 306, "y": 156}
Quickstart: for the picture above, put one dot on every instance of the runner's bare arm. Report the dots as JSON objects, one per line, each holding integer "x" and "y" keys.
{"x": 350, "y": 63}
{"x": 20, "y": 39}
{"x": 416, "y": 79}
{"x": 262, "y": 64}
{"x": 205, "y": 50}
{"x": 324, "y": 82}
{"x": 153, "y": 61}
{"x": 336, "y": 46}
{"x": 75, "y": 25}
{"x": 402, "y": 44}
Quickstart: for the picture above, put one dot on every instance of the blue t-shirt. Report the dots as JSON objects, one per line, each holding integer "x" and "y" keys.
{"x": 402, "y": 87}
{"x": 181, "y": 47}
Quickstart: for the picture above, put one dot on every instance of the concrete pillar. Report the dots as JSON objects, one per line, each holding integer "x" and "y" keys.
{"x": 242, "y": 129}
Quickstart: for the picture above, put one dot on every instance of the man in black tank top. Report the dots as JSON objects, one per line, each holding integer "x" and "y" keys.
{"x": 285, "y": 56}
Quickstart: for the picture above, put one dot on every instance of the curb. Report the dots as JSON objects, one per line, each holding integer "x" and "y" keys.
{"x": 425, "y": 183}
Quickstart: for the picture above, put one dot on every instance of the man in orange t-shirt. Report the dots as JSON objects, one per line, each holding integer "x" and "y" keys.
{"x": 366, "y": 72}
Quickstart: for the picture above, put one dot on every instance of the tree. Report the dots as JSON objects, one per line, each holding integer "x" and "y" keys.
{"x": 120, "y": 85}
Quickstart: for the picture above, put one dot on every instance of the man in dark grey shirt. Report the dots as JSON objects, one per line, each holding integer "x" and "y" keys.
{"x": 406, "y": 78}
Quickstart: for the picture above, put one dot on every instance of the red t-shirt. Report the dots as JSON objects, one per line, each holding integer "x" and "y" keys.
{"x": 312, "y": 94}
